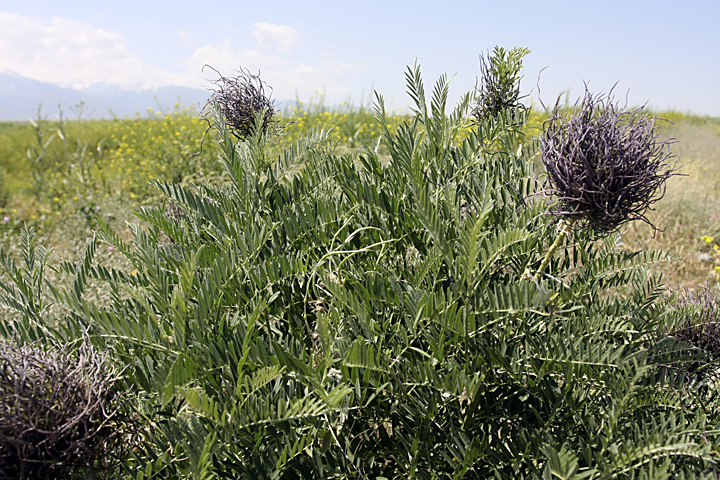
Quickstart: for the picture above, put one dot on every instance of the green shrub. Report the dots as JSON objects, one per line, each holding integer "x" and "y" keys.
{"x": 499, "y": 89}
{"x": 399, "y": 316}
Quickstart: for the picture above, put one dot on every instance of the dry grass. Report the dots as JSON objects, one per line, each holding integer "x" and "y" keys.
{"x": 691, "y": 206}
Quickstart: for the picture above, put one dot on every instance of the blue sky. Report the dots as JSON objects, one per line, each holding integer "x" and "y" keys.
{"x": 663, "y": 53}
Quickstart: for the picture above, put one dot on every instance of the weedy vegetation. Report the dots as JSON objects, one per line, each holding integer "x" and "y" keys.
{"x": 407, "y": 305}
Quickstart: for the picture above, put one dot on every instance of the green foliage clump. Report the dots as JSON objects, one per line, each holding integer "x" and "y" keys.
{"x": 349, "y": 127}
{"x": 499, "y": 90}
{"x": 700, "y": 328}
{"x": 165, "y": 146}
{"x": 388, "y": 314}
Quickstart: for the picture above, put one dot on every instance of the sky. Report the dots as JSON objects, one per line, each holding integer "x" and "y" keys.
{"x": 665, "y": 54}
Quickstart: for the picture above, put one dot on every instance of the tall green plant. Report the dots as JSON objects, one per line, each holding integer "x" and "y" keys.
{"x": 325, "y": 316}
{"x": 40, "y": 157}
{"x": 499, "y": 89}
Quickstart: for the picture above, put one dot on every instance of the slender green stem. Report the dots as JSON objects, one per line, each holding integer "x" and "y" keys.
{"x": 564, "y": 229}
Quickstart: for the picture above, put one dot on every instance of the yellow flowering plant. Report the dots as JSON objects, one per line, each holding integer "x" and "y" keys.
{"x": 714, "y": 249}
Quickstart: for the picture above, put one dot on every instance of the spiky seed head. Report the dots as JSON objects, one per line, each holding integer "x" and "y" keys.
{"x": 61, "y": 413}
{"x": 606, "y": 165}
{"x": 242, "y": 98}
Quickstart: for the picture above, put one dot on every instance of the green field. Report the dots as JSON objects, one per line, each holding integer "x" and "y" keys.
{"x": 104, "y": 167}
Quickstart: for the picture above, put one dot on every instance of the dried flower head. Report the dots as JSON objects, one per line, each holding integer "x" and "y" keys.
{"x": 701, "y": 330}
{"x": 60, "y": 414}
{"x": 242, "y": 99}
{"x": 607, "y": 166}
{"x": 499, "y": 89}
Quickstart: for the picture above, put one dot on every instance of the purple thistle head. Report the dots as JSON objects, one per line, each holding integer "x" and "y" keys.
{"x": 62, "y": 412}
{"x": 241, "y": 99}
{"x": 606, "y": 165}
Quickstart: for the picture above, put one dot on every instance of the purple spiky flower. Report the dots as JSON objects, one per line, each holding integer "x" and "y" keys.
{"x": 242, "y": 98}
{"x": 606, "y": 165}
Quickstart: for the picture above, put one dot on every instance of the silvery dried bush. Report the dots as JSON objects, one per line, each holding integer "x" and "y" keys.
{"x": 242, "y": 99}
{"x": 606, "y": 165}
{"x": 62, "y": 415}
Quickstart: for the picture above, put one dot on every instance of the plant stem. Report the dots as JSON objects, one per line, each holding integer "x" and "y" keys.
{"x": 564, "y": 229}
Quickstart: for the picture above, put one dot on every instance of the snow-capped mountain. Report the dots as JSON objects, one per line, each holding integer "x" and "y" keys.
{"x": 20, "y": 98}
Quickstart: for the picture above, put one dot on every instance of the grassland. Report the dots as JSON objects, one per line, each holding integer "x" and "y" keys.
{"x": 690, "y": 208}
{"x": 57, "y": 176}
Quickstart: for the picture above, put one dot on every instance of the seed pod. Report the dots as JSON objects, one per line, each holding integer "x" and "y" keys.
{"x": 607, "y": 166}
{"x": 242, "y": 99}
{"x": 61, "y": 414}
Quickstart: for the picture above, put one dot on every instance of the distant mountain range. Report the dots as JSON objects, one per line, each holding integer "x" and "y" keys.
{"x": 20, "y": 98}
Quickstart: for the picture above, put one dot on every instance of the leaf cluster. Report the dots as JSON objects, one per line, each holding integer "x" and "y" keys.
{"x": 700, "y": 328}
{"x": 499, "y": 89}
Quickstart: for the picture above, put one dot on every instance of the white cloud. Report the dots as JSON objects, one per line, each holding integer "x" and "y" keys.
{"x": 277, "y": 37}
{"x": 70, "y": 53}
{"x": 73, "y": 54}
{"x": 285, "y": 73}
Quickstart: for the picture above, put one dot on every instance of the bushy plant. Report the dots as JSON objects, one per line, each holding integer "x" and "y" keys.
{"x": 384, "y": 316}
{"x": 164, "y": 146}
{"x": 700, "y": 328}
